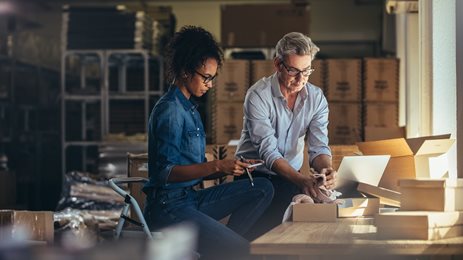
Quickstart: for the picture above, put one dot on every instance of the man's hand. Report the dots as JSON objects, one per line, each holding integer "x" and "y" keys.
{"x": 330, "y": 174}
{"x": 307, "y": 185}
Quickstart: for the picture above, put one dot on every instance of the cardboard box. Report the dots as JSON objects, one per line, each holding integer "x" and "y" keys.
{"x": 419, "y": 225}
{"x": 232, "y": 82}
{"x": 240, "y": 29}
{"x": 227, "y": 121}
{"x": 358, "y": 207}
{"x": 381, "y": 79}
{"x": 372, "y": 133}
{"x": 318, "y": 76}
{"x": 344, "y": 123}
{"x": 343, "y": 81}
{"x": 219, "y": 152}
{"x": 137, "y": 166}
{"x": 381, "y": 114}
{"x": 260, "y": 69}
{"x": 38, "y": 225}
{"x": 410, "y": 158}
{"x": 419, "y": 233}
{"x": 308, "y": 212}
{"x": 432, "y": 195}
{"x": 351, "y": 207}
{"x": 386, "y": 197}
{"x": 7, "y": 189}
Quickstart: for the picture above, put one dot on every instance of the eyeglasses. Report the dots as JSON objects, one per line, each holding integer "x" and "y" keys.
{"x": 293, "y": 72}
{"x": 206, "y": 79}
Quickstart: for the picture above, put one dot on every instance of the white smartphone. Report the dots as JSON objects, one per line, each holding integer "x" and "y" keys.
{"x": 255, "y": 165}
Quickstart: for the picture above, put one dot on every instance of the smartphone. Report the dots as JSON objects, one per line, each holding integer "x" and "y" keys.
{"x": 255, "y": 165}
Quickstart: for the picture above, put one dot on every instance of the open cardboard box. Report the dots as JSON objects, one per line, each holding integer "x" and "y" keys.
{"x": 308, "y": 212}
{"x": 358, "y": 207}
{"x": 411, "y": 158}
{"x": 350, "y": 207}
{"x": 386, "y": 196}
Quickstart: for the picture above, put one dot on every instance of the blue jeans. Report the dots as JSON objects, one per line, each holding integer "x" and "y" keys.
{"x": 284, "y": 192}
{"x": 244, "y": 203}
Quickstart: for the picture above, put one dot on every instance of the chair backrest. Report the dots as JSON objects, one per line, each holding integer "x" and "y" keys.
{"x": 137, "y": 166}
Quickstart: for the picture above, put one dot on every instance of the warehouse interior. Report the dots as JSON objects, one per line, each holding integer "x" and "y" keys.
{"x": 78, "y": 80}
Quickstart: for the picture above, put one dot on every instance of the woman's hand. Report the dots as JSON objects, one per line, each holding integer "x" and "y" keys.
{"x": 231, "y": 167}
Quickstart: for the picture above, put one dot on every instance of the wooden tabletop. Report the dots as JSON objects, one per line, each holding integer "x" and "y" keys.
{"x": 353, "y": 236}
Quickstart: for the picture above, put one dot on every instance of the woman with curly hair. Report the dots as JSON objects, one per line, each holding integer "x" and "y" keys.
{"x": 176, "y": 157}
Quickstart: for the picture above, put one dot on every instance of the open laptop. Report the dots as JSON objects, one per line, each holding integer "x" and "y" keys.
{"x": 354, "y": 169}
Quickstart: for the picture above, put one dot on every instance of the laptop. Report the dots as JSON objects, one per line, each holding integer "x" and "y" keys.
{"x": 354, "y": 169}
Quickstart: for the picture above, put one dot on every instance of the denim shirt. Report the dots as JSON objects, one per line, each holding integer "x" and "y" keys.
{"x": 175, "y": 137}
{"x": 272, "y": 131}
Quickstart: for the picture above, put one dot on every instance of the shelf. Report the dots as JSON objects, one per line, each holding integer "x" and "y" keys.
{"x": 128, "y": 95}
{"x": 115, "y": 105}
{"x": 81, "y": 143}
{"x": 82, "y": 97}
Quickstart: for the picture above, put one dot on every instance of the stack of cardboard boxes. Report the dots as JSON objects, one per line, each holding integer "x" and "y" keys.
{"x": 416, "y": 179}
{"x": 430, "y": 209}
{"x": 362, "y": 97}
{"x": 344, "y": 93}
{"x": 227, "y": 101}
{"x": 381, "y": 93}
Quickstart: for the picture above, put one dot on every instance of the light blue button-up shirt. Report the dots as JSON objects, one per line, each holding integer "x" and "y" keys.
{"x": 272, "y": 131}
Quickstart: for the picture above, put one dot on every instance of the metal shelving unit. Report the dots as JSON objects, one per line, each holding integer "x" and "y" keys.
{"x": 90, "y": 94}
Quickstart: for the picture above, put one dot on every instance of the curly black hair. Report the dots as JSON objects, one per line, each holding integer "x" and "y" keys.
{"x": 189, "y": 49}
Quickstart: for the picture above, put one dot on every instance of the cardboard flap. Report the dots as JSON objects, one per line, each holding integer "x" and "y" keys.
{"x": 415, "y": 143}
{"x": 435, "y": 147}
{"x": 394, "y": 147}
{"x": 386, "y": 196}
{"x": 429, "y": 183}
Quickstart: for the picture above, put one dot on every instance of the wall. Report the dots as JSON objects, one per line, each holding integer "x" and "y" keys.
{"x": 331, "y": 19}
{"x": 407, "y": 39}
{"x": 444, "y": 72}
{"x": 459, "y": 69}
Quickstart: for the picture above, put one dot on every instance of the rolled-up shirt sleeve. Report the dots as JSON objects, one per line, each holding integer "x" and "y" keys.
{"x": 261, "y": 132}
{"x": 165, "y": 140}
{"x": 318, "y": 130}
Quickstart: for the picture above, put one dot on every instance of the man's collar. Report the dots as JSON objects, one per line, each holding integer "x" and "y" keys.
{"x": 276, "y": 91}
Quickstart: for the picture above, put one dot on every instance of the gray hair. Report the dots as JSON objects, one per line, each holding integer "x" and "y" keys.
{"x": 295, "y": 43}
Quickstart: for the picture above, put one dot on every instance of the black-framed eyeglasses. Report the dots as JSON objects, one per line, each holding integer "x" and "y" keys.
{"x": 293, "y": 72}
{"x": 206, "y": 79}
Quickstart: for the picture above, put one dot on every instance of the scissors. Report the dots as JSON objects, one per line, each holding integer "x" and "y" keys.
{"x": 247, "y": 172}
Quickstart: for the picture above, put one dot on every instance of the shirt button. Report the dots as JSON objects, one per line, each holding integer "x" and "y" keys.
{"x": 197, "y": 134}
{"x": 197, "y": 128}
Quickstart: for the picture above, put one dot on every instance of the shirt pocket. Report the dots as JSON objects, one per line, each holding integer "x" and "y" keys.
{"x": 194, "y": 140}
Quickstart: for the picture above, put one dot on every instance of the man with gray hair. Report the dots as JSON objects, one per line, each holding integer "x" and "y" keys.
{"x": 281, "y": 112}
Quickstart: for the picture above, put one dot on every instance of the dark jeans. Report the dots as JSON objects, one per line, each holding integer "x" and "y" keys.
{"x": 273, "y": 215}
{"x": 205, "y": 207}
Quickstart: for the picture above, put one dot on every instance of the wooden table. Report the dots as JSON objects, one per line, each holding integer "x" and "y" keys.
{"x": 347, "y": 238}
